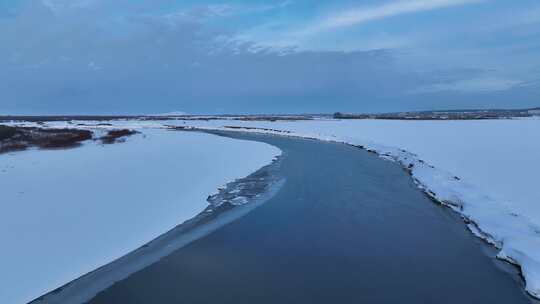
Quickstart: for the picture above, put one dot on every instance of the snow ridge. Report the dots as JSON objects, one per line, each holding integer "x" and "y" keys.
{"x": 515, "y": 235}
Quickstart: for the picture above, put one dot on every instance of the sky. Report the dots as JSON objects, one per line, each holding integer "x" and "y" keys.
{"x": 255, "y": 56}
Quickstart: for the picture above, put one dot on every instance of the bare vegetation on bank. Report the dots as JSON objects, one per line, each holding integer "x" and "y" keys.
{"x": 116, "y": 136}
{"x": 22, "y": 138}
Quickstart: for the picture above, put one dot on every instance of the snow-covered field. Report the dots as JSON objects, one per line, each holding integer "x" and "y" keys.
{"x": 68, "y": 212}
{"x": 487, "y": 170}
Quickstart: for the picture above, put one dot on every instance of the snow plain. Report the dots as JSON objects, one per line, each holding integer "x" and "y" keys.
{"x": 68, "y": 212}
{"x": 487, "y": 170}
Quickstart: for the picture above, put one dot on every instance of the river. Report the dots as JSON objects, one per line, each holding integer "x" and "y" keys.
{"x": 346, "y": 227}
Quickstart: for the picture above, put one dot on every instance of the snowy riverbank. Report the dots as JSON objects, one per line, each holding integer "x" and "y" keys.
{"x": 486, "y": 170}
{"x": 68, "y": 212}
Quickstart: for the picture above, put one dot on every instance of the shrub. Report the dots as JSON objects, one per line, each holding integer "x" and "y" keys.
{"x": 7, "y": 132}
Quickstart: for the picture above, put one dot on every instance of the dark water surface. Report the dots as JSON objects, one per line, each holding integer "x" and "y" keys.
{"x": 347, "y": 227}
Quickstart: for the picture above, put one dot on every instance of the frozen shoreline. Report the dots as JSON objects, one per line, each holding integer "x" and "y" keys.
{"x": 509, "y": 227}
{"x": 87, "y": 220}
{"x": 222, "y": 209}
{"x": 515, "y": 235}
{"x": 343, "y": 215}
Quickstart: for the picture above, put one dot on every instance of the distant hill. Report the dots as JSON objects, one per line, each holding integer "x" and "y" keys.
{"x": 173, "y": 113}
{"x": 467, "y": 114}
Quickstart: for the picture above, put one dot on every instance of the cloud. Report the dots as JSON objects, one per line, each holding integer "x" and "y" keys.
{"x": 321, "y": 32}
{"x": 126, "y": 57}
{"x": 234, "y": 10}
{"x": 94, "y": 66}
{"x": 269, "y": 7}
{"x": 199, "y": 14}
{"x": 473, "y": 85}
{"x": 205, "y": 12}
{"x": 61, "y": 5}
{"x": 141, "y": 62}
{"x": 531, "y": 16}
{"x": 357, "y": 16}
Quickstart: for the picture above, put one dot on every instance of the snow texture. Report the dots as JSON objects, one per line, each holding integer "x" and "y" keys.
{"x": 68, "y": 212}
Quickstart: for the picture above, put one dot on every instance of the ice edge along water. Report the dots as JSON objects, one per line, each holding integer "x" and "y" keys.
{"x": 514, "y": 235}
{"x": 86, "y": 287}
{"x": 238, "y": 166}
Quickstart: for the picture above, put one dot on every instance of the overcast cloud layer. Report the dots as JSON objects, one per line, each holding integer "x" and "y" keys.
{"x": 240, "y": 56}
